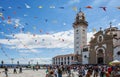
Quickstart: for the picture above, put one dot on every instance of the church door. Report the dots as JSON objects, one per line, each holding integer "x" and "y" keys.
{"x": 100, "y": 60}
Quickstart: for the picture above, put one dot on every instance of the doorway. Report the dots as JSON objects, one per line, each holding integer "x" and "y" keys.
{"x": 100, "y": 60}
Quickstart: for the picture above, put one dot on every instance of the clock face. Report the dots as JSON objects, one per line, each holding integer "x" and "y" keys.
{"x": 80, "y": 14}
{"x": 80, "y": 17}
{"x": 100, "y": 38}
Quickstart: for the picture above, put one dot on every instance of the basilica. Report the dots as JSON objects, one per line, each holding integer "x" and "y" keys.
{"x": 103, "y": 47}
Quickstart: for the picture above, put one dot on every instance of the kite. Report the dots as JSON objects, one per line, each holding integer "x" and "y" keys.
{"x": 9, "y": 21}
{"x": 52, "y": 6}
{"x": 46, "y": 20}
{"x": 35, "y": 17}
{"x": 8, "y": 17}
{"x": 9, "y": 7}
{"x": 104, "y": 8}
{"x": 74, "y": 8}
{"x": 40, "y": 7}
{"x": 3, "y": 18}
{"x": 27, "y": 6}
{"x": 25, "y": 15}
{"x": 1, "y": 14}
{"x": 19, "y": 7}
{"x": 94, "y": 30}
{"x": 34, "y": 27}
{"x": 16, "y": 25}
{"x": 14, "y": 12}
{"x": 26, "y": 23}
{"x": 118, "y": 7}
{"x": 54, "y": 21}
{"x": 40, "y": 31}
{"x": 64, "y": 23}
{"x": 89, "y": 7}
{"x": 3, "y": 9}
{"x": 61, "y": 7}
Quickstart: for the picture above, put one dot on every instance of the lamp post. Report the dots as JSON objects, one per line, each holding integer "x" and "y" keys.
{"x": 12, "y": 60}
{"x": 2, "y": 62}
{"x": 18, "y": 63}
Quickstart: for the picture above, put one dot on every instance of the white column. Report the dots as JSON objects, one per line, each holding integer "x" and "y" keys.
{"x": 63, "y": 61}
{"x": 60, "y": 60}
{"x": 57, "y": 61}
{"x": 70, "y": 59}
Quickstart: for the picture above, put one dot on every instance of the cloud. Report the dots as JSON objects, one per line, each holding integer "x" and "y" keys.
{"x": 26, "y": 42}
{"x": 89, "y": 35}
{"x": 119, "y": 24}
{"x": 30, "y": 42}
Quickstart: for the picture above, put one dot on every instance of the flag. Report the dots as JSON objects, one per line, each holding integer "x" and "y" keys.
{"x": 40, "y": 7}
{"x": 52, "y": 6}
{"x": 27, "y": 6}
{"x": 61, "y": 7}
{"x": 118, "y": 7}
{"x": 94, "y": 30}
{"x": 104, "y": 8}
{"x": 74, "y": 8}
{"x": 1, "y": 14}
{"x": 89, "y": 7}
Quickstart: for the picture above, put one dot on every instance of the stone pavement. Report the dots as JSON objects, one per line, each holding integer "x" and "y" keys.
{"x": 31, "y": 73}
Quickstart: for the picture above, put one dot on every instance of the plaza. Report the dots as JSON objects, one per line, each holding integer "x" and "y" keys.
{"x": 31, "y": 73}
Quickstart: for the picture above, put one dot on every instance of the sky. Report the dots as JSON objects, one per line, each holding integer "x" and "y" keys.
{"x": 37, "y": 30}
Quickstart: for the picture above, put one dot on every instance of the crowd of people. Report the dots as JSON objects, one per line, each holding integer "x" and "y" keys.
{"x": 83, "y": 71}
{"x": 74, "y": 70}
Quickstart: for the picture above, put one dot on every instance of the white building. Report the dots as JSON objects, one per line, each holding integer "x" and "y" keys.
{"x": 64, "y": 59}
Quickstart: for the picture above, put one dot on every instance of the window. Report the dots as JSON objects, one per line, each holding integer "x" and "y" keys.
{"x": 118, "y": 53}
{"x": 72, "y": 57}
{"x": 77, "y": 37}
{"x": 77, "y": 42}
{"x": 77, "y": 30}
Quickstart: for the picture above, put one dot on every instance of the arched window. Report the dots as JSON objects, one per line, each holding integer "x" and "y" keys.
{"x": 118, "y": 53}
{"x": 100, "y": 51}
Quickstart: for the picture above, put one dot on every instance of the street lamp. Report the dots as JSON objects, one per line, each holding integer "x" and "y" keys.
{"x": 12, "y": 60}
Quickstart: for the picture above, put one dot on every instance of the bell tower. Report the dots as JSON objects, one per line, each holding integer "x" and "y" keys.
{"x": 80, "y": 32}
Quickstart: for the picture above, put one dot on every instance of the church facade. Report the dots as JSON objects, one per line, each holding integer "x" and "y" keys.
{"x": 105, "y": 46}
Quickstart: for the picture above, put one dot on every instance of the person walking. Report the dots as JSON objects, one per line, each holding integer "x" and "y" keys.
{"x": 20, "y": 69}
{"x": 15, "y": 71}
{"x": 59, "y": 72}
{"x": 56, "y": 72}
{"x": 6, "y": 71}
